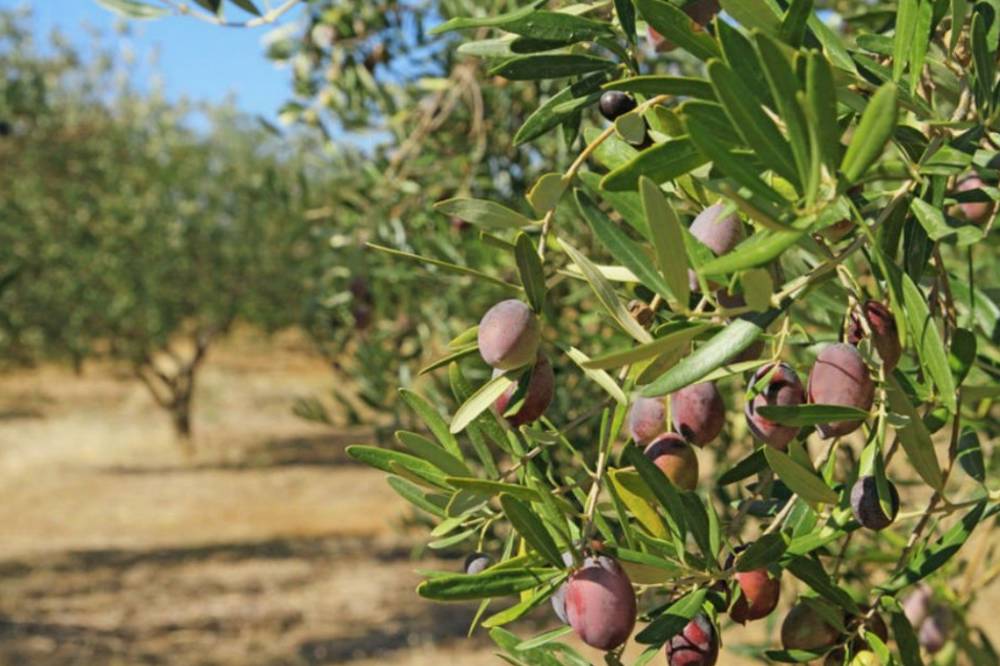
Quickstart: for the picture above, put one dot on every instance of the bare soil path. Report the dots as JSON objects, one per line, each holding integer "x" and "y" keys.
{"x": 269, "y": 548}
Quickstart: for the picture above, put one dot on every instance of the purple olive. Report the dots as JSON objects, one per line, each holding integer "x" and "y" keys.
{"x": 783, "y": 390}
{"x": 615, "y": 103}
{"x": 696, "y": 645}
{"x": 538, "y": 386}
{"x": 866, "y": 507}
{"x": 805, "y": 629}
{"x": 917, "y": 604}
{"x": 558, "y": 598}
{"x": 935, "y": 630}
{"x": 676, "y": 459}
{"x": 698, "y": 412}
{"x": 720, "y": 233}
{"x": 840, "y": 377}
{"x": 600, "y": 603}
{"x": 647, "y": 420}
{"x": 509, "y": 335}
{"x": 883, "y": 327}
{"x": 974, "y": 211}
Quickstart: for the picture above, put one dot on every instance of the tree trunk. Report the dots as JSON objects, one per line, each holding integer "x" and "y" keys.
{"x": 180, "y": 414}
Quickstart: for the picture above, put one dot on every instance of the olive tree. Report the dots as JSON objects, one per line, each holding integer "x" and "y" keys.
{"x": 773, "y": 232}
{"x": 130, "y": 234}
{"x": 797, "y": 206}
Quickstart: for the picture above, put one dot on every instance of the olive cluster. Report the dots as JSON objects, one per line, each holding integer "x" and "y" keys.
{"x": 598, "y": 599}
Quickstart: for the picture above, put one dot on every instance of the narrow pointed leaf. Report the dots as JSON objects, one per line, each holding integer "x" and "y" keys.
{"x": 629, "y": 253}
{"x": 606, "y": 294}
{"x": 452, "y": 268}
{"x": 433, "y": 420}
{"x": 931, "y": 219}
{"x": 668, "y": 240}
{"x": 638, "y": 499}
{"x": 392, "y": 461}
{"x": 735, "y": 165}
{"x": 754, "y": 14}
{"x": 536, "y": 24}
{"x": 676, "y": 26}
{"x": 928, "y": 343}
{"x": 784, "y": 89}
{"x": 661, "y": 345}
{"x": 671, "y": 621}
{"x": 913, "y": 436}
{"x": 752, "y": 123}
{"x": 725, "y": 345}
{"x": 549, "y": 66}
{"x": 821, "y": 96}
{"x": 811, "y": 572}
{"x": 424, "y": 448}
{"x": 529, "y": 267}
{"x": 531, "y": 528}
{"x": 662, "y": 488}
{"x": 490, "y": 583}
{"x": 935, "y": 556}
{"x": 811, "y": 414}
{"x": 802, "y": 481}
{"x": 488, "y": 488}
{"x": 479, "y": 402}
{"x": 487, "y": 214}
{"x": 655, "y": 84}
{"x": 793, "y": 25}
{"x": 552, "y": 112}
{"x": 765, "y": 551}
{"x": 415, "y": 495}
{"x": 871, "y": 134}
{"x": 663, "y": 162}
{"x": 602, "y": 378}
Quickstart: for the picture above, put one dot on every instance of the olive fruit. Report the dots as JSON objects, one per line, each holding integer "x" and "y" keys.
{"x": 676, "y": 459}
{"x": 615, "y": 103}
{"x": 697, "y": 644}
{"x": 646, "y": 420}
{"x": 477, "y": 562}
{"x": 537, "y": 388}
{"x": 804, "y": 628}
{"x": 600, "y": 603}
{"x": 509, "y": 335}
{"x": 884, "y": 331}
{"x": 866, "y": 507}
{"x": 698, "y": 412}
{"x": 840, "y": 377}
{"x": 783, "y": 389}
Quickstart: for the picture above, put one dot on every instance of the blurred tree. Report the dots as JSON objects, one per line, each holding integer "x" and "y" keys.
{"x": 136, "y": 234}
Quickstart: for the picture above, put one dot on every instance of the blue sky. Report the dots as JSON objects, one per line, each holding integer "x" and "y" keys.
{"x": 196, "y": 59}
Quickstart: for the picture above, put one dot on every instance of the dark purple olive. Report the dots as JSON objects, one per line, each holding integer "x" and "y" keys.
{"x": 615, "y": 103}
{"x": 866, "y": 507}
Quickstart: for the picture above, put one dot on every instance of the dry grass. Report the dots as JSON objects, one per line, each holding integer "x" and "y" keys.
{"x": 269, "y": 547}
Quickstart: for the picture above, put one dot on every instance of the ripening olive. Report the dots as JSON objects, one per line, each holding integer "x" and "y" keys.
{"x": 509, "y": 335}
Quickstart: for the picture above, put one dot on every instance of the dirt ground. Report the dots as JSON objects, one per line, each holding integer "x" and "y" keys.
{"x": 270, "y": 547}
